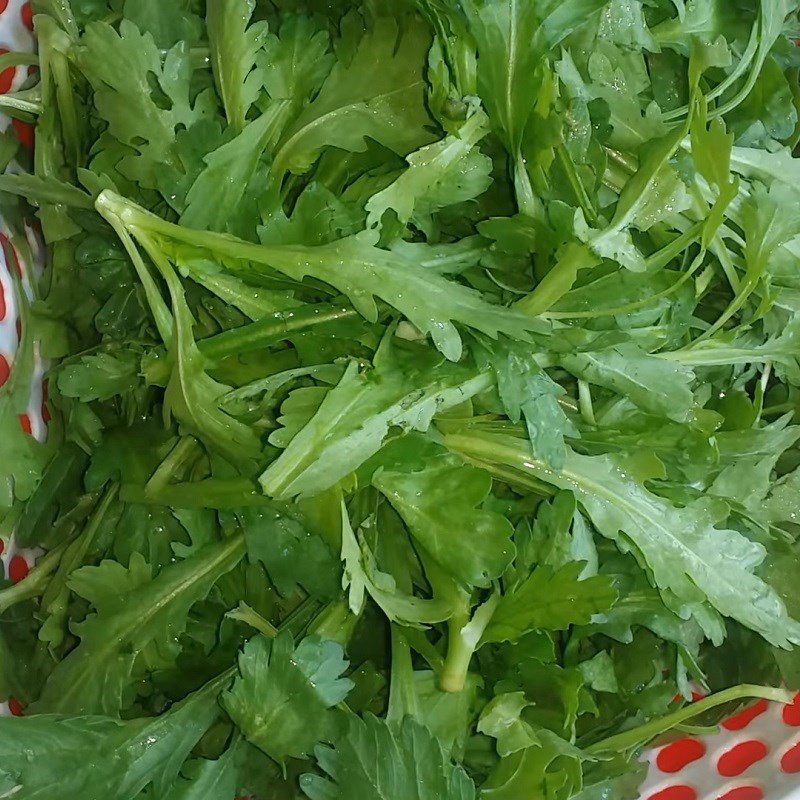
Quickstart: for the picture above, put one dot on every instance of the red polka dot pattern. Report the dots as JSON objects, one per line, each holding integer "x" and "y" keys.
{"x": 2, "y": 547}
{"x": 790, "y": 760}
{"x": 740, "y": 758}
{"x": 27, "y": 16}
{"x": 3, "y": 309}
{"x": 791, "y": 713}
{"x": 7, "y": 75}
{"x": 15, "y": 707}
{"x": 18, "y": 569}
{"x": 741, "y": 720}
{"x": 5, "y": 371}
{"x": 3, "y": 5}
{"x": 674, "y": 757}
{"x": 743, "y": 793}
{"x": 677, "y": 792}
{"x": 25, "y": 423}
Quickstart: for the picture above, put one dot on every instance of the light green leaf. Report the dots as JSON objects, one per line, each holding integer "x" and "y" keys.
{"x": 100, "y": 376}
{"x": 363, "y": 577}
{"x": 215, "y": 196}
{"x": 502, "y": 720}
{"x": 379, "y": 94}
{"x": 550, "y": 600}
{"x": 295, "y": 62}
{"x": 555, "y": 764}
{"x": 283, "y": 697}
{"x": 440, "y": 504}
{"x": 406, "y": 388}
{"x": 132, "y": 611}
{"x": 526, "y": 391}
{"x": 79, "y": 757}
{"x": 447, "y": 172}
{"x": 512, "y": 37}
{"x": 625, "y": 369}
{"x": 770, "y": 219}
{"x": 356, "y": 767}
{"x": 118, "y": 65}
{"x": 353, "y": 265}
{"x": 234, "y": 47}
{"x": 783, "y": 503}
{"x": 192, "y": 395}
{"x": 694, "y": 563}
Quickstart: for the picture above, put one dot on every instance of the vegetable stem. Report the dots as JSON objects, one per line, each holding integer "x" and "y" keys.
{"x": 243, "y": 613}
{"x": 622, "y": 742}
{"x": 178, "y": 456}
{"x": 270, "y": 329}
{"x": 464, "y": 638}
{"x": 403, "y": 700}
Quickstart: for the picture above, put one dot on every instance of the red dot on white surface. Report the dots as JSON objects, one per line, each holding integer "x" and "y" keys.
{"x": 743, "y": 793}
{"x": 791, "y": 713}
{"x": 2, "y": 546}
{"x": 790, "y": 760}
{"x": 675, "y": 756}
{"x": 741, "y": 720}
{"x": 15, "y": 707}
{"x": 741, "y": 757}
{"x": 27, "y": 16}
{"x": 5, "y": 370}
{"x": 3, "y": 5}
{"x": 3, "y": 309}
{"x": 18, "y": 569}
{"x": 7, "y": 75}
{"x": 678, "y": 792}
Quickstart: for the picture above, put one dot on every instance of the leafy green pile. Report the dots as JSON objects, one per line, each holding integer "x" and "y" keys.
{"x": 423, "y": 379}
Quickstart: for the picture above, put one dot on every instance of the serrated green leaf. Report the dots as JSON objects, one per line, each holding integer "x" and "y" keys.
{"x": 441, "y": 505}
{"x": 133, "y": 610}
{"x": 551, "y": 600}
{"x": 354, "y": 418}
{"x": 379, "y": 93}
{"x": 355, "y": 767}
{"x": 235, "y": 44}
{"x": 283, "y": 697}
{"x": 692, "y": 561}
{"x": 92, "y": 756}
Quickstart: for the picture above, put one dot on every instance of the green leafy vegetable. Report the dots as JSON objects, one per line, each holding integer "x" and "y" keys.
{"x": 99, "y": 755}
{"x": 357, "y": 765}
{"x": 282, "y": 698}
{"x": 408, "y": 404}
{"x": 551, "y": 600}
